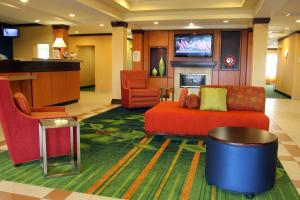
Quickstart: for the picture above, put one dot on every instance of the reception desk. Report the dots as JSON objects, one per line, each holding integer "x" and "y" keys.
{"x": 44, "y": 82}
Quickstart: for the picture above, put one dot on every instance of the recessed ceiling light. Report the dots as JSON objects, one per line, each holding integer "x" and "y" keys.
{"x": 226, "y": 21}
{"x": 24, "y": 1}
{"x": 286, "y": 28}
{"x": 298, "y": 21}
{"x": 76, "y": 32}
{"x": 155, "y": 23}
{"x": 288, "y": 14}
{"x": 101, "y": 25}
{"x": 271, "y": 36}
{"x": 72, "y": 15}
{"x": 191, "y": 24}
{"x": 270, "y": 32}
{"x": 37, "y": 21}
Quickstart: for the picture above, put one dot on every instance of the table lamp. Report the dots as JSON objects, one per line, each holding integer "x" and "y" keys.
{"x": 60, "y": 44}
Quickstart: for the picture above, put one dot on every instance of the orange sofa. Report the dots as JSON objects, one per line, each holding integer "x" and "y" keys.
{"x": 245, "y": 109}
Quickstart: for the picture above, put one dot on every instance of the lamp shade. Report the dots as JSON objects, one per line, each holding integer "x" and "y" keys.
{"x": 59, "y": 43}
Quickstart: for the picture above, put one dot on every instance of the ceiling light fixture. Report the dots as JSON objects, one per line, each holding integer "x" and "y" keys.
{"x": 288, "y": 14}
{"x": 37, "y": 21}
{"x": 191, "y": 24}
{"x": 286, "y": 28}
{"x": 72, "y": 15}
{"x": 101, "y": 25}
{"x": 298, "y": 21}
{"x": 271, "y": 36}
{"x": 76, "y": 32}
{"x": 155, "y": 23}
{"x": 24, "y": 1}
{"x": 226, "y": 21}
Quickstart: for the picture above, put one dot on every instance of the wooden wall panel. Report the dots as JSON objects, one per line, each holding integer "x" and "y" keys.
{"x": 216, "y": 57}
{"x": 229, "y": 77}
{"x": 249, "y": 59}
{"x": 138, "y": 45}
{"x": 146, "y": 51}
{"x": 58, "y": 87}
{"x": 158, "y": 38}
{"x": 41, "y": 89}
{"x": 73, "y": 85}
{"x": 158, "y": 82}
{"x": 171, "y": 55}
{"x": 171, "y": 82}
{"x": 243, "y": 63}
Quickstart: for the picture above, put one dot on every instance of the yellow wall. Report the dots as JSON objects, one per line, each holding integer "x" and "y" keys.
{"x": 86, "y": 54}
{"x": 25, "y": 46}
{"x": 129, "y": 54}
{"x": 288, "y": 68}
{"x": 103, "y": 58}
{"x": 260, "y": 43}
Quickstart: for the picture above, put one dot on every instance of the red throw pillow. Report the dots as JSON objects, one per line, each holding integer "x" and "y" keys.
{"x": 183, "y": 94}
{"x": 21, "y": 103}
{"x": 192, "y": 101}
{"x": 136, "y": 83}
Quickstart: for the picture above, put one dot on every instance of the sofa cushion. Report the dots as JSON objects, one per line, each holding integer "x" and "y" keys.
{"x": 245, "y": 98}
{"x": 182, "y": 98}
{"x": 192, "y": 101}
{"x": 21, "y": 103}
{"x": 144, "y": 93}
{"x": 169, "y": 118}
{"x": 136, "y": 83}
{"x": 214, "y": 99}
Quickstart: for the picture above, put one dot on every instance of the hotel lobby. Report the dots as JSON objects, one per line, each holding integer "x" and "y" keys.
{"x": 139, "y": 99}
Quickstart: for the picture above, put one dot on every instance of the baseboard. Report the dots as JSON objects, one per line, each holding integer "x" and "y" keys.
{"x": 116, "y": 101}
{"x": 283, "y": 93}
{"x": 87, "y": 86}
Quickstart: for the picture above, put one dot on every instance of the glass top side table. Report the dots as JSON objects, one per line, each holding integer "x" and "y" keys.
{"x": 59, "y": 123}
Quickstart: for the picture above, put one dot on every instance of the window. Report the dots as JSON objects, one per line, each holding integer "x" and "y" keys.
{"x": 43, "y": 51}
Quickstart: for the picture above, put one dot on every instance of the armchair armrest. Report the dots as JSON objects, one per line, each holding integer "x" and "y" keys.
{"x": 49, "y": 109}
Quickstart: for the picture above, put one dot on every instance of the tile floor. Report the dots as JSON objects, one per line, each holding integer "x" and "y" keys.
{"x": 284, "y": 122}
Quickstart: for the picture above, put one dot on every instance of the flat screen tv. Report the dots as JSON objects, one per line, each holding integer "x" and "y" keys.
{"x": 10, "y": 32}
{"x": 193, "y": 45}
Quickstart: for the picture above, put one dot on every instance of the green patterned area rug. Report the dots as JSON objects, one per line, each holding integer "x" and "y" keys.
{"x": 118, "y": 160}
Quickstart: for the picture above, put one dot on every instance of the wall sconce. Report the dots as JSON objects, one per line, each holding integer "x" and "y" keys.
{"x": 286, "y": 53}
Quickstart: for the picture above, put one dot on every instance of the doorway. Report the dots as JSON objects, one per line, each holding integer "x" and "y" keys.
{"x": 87, "y": 73}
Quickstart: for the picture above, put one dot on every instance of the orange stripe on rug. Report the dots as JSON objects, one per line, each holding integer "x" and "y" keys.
{"x": 145, "y": 171}
{"x": 213, "y": 194}
{"x": 106, "y": 176}
{"x": 191, "y": 175}
{"x": 165, "y": 179}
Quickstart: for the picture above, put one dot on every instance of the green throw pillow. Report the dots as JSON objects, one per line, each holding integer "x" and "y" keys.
{"x": 213, "y": 99}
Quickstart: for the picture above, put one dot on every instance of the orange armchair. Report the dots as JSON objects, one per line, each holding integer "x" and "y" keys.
{"x": 135, "y": 91}
{"x": 21, "y": 131}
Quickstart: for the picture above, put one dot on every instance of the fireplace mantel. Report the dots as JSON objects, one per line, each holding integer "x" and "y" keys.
{"x": 200, "y": 64}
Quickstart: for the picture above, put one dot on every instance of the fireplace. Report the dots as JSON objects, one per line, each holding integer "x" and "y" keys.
{"x": 192, "y": 80}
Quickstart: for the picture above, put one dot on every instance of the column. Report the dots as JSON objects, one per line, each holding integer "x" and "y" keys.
{"x": 62, "y": 31}
{"x": 260, "y": 46}
{"x": 119, "y": 57}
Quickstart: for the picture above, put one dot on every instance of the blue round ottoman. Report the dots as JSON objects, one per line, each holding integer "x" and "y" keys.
{"x": 241, "y": 159}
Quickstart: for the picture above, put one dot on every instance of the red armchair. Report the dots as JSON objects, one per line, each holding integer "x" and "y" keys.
{"x": 135, "y": 91}
{"x": 21, "y": 131}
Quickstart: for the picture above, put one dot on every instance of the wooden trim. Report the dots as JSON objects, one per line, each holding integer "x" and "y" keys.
{"x": 273, "y": 49}
{"x": 265, "y": 20}
{"x": 90, "y": 34}
{"x": 26, "y": 25}
{"x": 283, "y": 93}
{"x": 119, "y": 24}
{"x": 60, "y": 26}
{"x": 87, "y": 86}
{"x": 137, "y": 31}
{"x": 200, "y": 64}
{"x": 116, "y": 101}
{"x": 295, "y": 32}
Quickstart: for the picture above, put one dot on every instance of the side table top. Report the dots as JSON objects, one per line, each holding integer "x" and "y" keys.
{"x": 242, "y": 136}
{"x": 58, "y": 122}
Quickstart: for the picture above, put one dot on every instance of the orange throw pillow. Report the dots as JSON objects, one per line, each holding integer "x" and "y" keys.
{"x": 21, "y": 103}
{"x": 192, "y": 101}
{"x": 182, "y": 98}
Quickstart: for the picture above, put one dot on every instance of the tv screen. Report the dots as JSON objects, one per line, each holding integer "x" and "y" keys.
{"x": 10, "y": 32}
{"x": 193, "y": 45}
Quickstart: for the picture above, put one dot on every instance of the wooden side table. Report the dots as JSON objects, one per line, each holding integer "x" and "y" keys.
{"x": 59, "y": 123}
{"x": 165, "y": 93}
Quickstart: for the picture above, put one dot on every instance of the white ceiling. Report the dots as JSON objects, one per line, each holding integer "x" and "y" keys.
{"x": 171, "y": 14}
